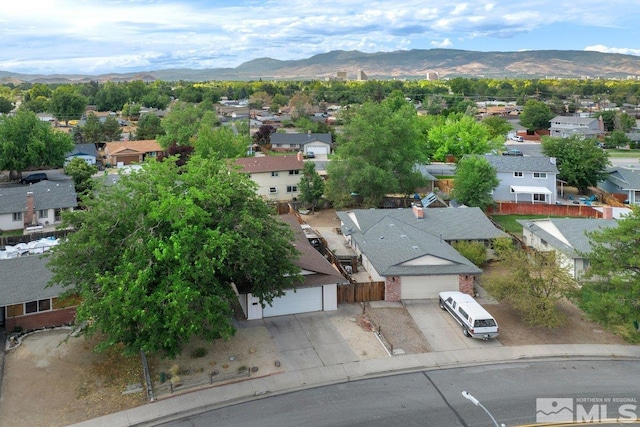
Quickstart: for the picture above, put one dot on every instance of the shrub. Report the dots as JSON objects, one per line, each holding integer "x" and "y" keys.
{"x": 473, "y": 251}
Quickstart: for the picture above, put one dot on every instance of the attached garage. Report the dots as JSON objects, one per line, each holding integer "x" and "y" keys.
{"x": 424, "y": 287}
{"x": 317, "y": 148}
{"x": 302, "y": 300}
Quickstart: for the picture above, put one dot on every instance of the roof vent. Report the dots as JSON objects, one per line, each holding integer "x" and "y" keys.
{"x": 381, "y": 237}
{"x": 415, "y": 248}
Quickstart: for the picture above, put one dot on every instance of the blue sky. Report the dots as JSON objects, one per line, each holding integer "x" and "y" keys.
{"x": 94, "y": 37}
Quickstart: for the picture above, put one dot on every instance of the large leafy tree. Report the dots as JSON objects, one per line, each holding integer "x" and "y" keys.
{"x": 154, "y": 259}
{"x": 536, "y": 115}
{"x": 149, "y": 127}
{"x": 498, "y": 127}
{"x": 80, "y": 172}
{"x": 376, "y": 155}
{"x": 92, "y": 129}
{"x": 580, "y": 162}
{"x": 458, "y": 135}
{"x": 611, "y": 292}
{"x": 311, "y": 185}
{"x": 475, "y": 179}
{"x": 182, "y": 123}
{"x": 67, "y": 104}
{"x": 25, "y": 142}
{"x": 5, "y": 105}
{"x": 221, "y": 142}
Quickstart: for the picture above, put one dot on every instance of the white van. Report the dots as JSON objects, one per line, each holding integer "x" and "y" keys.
{"x": 476, "y": 322}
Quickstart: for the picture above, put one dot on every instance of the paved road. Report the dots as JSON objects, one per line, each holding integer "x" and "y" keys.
{"x": 433, "y": 398}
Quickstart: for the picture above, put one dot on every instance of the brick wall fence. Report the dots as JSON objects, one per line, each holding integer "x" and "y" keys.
{"x": 47, "y": 319}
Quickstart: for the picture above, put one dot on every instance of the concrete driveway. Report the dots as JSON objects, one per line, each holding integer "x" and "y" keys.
{"x": 309, "y": 340}
{"x": 440, "y": 329}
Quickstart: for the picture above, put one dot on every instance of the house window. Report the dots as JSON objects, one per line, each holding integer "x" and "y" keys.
{"x": 273, "y": 190}
{"x": 17, "y": 216}
{"x": 274, "y": 174}
{"x": 44, "y": 213}
{"x": 539, "y": 197}
{"x": 540, "y": 175}
{"x": 295, "y": 172}
{"x": 57, "y": 215}
{"x": 37, "y": 306}
{"x": 517, "y": 174}
{"x": 292, "y": 188}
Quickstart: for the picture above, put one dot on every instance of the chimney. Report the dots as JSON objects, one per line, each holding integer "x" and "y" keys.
{"x": 600, "y": 124}
{"x": 552, "y": 160}
{"x": 418, "y": 211}
{"x": 29, "y": 216}
{"x": 607, "y": 212}
{"x": 300, "y": 156}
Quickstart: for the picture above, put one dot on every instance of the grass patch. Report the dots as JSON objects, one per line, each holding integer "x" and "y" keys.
{"x": 445, "y": 176}
{"x": 509, "y": 224}
{"x": 622, "y": 153}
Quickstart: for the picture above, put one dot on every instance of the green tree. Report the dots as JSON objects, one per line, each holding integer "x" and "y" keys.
{"x": 111, "y": 96}
{"x": 311, "y": 185}
{"x": 154, "y": 259}
{"x": 182, "y": 123}
{"x": 610, "y": 293}
{"x": 149, "y": 127}
{"x": 616, "y": 139}
{"x": 111, "y": 129}
{"x": 5, "y": 105}
{"x": 220, "y": 143}
{"x": 376, "y": 154}
{"x": 580, "y": 162}
{"x": 457, "y": 136}
{"x": 498, "y": 127}
{"x": 536, "y": 115}
{"x": 25, "y": 142}
{"x": 92, "y": 129}
{"x": 475, "y": 180}
{"x": 534, "y": 284}
{"x": 67, "y": 104}
{"x": 80, "y": 172}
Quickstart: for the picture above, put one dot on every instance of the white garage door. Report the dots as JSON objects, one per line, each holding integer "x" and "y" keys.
{"x": 317, "y": 149}
{"x": 423, "y": 287}
{"x": 302, "y": 301}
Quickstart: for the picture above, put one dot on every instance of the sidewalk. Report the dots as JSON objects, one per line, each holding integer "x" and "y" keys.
{"x": 192, "y": 403}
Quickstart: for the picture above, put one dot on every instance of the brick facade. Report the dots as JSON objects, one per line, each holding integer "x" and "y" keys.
{"x": 465, "y": 284}
{"x": 392, "y": 288}
{"x": 41, "y": 320}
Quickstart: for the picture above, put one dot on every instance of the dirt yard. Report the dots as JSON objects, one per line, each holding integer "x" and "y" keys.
{"x": 70, "y": 383}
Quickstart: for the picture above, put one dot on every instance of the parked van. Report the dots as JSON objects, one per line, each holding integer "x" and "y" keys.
{"x": 476, "y": 322}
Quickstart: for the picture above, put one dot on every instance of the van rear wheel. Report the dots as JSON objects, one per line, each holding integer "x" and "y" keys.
{"x": 466, "y": 333}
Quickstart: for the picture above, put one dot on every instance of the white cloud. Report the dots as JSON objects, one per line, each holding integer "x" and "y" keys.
{"x": 442, "y": 44}
{"x": 621, "y": 50}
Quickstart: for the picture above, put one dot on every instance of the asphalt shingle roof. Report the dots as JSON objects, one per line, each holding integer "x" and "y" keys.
{"x": 24, "y": 279}
{"x": 626, "y": 179}
{"x": 85, "y": 149}
{"x": 46, "y": 195}
{"x": 300, "y": 138}
{"x": 522, "y": 163}
{"x": 269, "y": 164}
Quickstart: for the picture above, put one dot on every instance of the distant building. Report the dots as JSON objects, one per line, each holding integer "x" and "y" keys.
{"x": 433, "y": 75}
{"x": 341, "y": 75}
{"x": 361, "y": 76}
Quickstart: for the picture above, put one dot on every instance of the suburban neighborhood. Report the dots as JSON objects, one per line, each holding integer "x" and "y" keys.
{"x": 287, "y": 241}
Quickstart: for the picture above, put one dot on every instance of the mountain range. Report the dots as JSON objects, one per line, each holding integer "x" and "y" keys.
{"x": 402, "y": 64}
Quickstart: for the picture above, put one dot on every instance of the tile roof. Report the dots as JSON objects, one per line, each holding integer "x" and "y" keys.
{"x": 522, "y": 163}
{"x": 144, "y": 146}
{"x": 46, "y": 195}
{"x": 269, "y": 164}
{"x": 25, "y": 279}
{"x": 568, "y": 234}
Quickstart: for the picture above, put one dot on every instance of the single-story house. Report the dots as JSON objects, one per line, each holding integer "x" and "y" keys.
{"x": 621, "y": 180}
{"x": 317, "y": 143}
{"x": 410, "y": 249}
{"x": 525, "y": 178}
{"x": 317, "y": 291}
{"x": 277, "y": 177}
{"x": 121, "y": 153}
{"x": 25, "y": 300}
{"x": 565, "y": 236}
{"x": 87, "y": 152}
{"x": 37, "y": 205}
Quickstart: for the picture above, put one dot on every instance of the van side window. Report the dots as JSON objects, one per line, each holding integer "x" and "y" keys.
{"x": 464, "y": 313}
{"x": 484, "y": 323}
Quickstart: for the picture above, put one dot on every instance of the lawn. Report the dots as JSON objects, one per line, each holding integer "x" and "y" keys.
{"x": 622, "y": 153}
{"x": 509, "y": 224}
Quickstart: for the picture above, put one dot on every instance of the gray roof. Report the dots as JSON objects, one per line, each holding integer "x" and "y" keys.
{"x": 24, "y": 279}
{"x": 572, "y": 230}
{"x": 390, "y": 238}
{"x": 425, "y": 172}
{"x": 83, "y": 149}
{"x": 574, "y": 120}
{"x": 522, "y": 163}
{"x": 46, "y": 195}
{"x": 300, "y": 138}
{"x": 626, "y": 179}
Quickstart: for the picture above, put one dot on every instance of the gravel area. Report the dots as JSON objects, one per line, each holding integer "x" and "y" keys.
{"x": 399, "y": 329}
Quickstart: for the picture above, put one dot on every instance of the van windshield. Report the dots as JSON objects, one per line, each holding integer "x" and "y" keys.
{"x": 484, "y": 323}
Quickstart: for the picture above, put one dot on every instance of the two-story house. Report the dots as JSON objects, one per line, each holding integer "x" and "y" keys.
{"x": 317, "y": 143}
{"x": 37, "y": 205}
{"x": 277, "y": 177}
{"x": 525, "y": 178}
{"x": 566, "y": 126}
{"x": 625, "y": 181}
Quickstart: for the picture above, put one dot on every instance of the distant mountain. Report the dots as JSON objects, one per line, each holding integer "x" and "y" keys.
{"x": 409, "y": 64}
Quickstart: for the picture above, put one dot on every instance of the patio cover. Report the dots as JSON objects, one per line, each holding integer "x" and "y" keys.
{"x": 529, "y": 189}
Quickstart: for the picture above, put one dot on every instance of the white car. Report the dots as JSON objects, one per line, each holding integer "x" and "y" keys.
{"x": 476, "y": 322}
{"x": 517, "y": 138}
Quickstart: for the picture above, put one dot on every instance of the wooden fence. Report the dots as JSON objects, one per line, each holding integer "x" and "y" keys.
{"x": 360, "y": 292}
